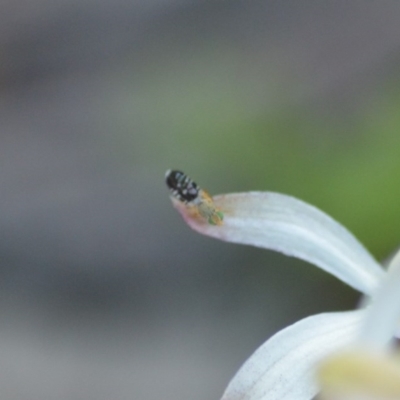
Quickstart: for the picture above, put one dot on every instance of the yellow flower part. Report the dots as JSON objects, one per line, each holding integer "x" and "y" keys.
{"x": 360, "y": 375}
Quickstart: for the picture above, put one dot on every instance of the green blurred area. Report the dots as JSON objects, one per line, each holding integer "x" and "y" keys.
{"x": 203, "y": 122}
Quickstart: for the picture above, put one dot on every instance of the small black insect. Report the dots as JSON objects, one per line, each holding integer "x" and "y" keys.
{"x": 198, "y": 202}
{"x": 181, "y": 186}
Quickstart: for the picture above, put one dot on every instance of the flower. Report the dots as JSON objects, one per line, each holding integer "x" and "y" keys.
{"x": 369, "y": 369}
{"x": 283, "y": 367}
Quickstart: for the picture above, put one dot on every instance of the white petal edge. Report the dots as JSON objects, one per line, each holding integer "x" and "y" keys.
{"x": 290, "y": 226}
{"x": 283, "y": 368}
{"x": 382, "y": 319}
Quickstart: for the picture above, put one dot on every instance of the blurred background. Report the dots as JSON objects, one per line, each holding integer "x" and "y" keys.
{"x": 105, "y": 292}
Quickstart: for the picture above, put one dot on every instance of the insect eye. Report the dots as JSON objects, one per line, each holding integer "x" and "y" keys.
{"x": 173, "y": 179}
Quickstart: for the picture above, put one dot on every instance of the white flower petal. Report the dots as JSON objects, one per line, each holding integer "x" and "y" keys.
{"x": 382, "y": 318}
{"x": 290, "y": 226}
{"x": 283, "y": 368}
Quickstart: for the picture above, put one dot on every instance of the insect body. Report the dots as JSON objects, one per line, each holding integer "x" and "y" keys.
{"x": 197, "y": 200}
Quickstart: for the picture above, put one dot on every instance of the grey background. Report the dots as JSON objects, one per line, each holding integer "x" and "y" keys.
{"x": 105, "y": 293}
